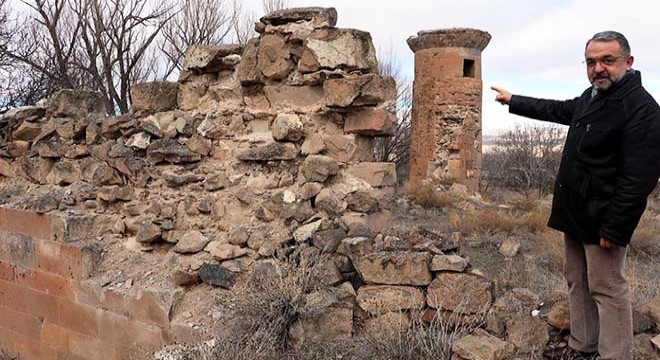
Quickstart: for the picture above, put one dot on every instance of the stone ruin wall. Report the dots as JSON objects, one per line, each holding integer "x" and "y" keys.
{"x": 117, "y": 233}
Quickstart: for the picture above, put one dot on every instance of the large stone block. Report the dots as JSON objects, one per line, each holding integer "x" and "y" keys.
{"x": 395, "y": 268}
{"x": 379, "y": 299}
{"x": 247, "y": 71}
{"x": 301, "y": 98}
{"x": 76, "y": 104}
{"x": 170, "y": 151}
{"x": 287, "y": 127}
{"x": 193, "y": 89}
{"x": 349, "y": 148}
{"x": 28, "y": 131}
{"x": 377, "y": 174}
{"x": 480, "y": 345}
{"x": 370, "y": 121}
{"x": 270, "y": 152}
{"x": 459, "y": 292}
{"x": 345, "y": 49}
{"x": 201, "y": 59}
{"x": 318, "y": 168}
{"x": 273, "y": 57}
{"x": 369, "y": 89}
{"x": 153, "y": 97}
{"x": 317, "y": 16}
{"x": 24, "y": 113}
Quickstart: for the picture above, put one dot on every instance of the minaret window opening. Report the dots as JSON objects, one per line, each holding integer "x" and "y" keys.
{"x": 468, "y": 68}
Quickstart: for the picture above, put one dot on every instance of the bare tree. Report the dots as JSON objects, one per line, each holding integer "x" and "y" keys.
{"x": 525, "y": 159}
{"x": 115, "y": 38}
{"x": 397, "y": 147}
{"x": 273, "y": 5}
{"x": 196, "y": 22}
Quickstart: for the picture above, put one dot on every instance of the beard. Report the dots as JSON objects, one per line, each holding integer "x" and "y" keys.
{"x": 603, "y": 80}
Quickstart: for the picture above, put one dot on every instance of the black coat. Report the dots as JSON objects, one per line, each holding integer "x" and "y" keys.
{"x": 610, "y": 162}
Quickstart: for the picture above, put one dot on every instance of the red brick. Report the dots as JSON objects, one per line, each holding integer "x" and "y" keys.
{"x": 90, "y": 348}
{"x": 28, "y": 301}
{"x": 7, "y": 272}
{"x": 86, "y": 294}
{"x": 115, "y": 302}
{"x": 27, "y": 223}
{"x": 20, "y": 323}
{"x": 58, "y": 258}
{"x": 25, "y": 347}
{"x": 45, "y": 282}
{"x": 54, "y": 336}
{"x": 17, "y": 249}
{"x": 147, "y": 308}
{"x": 122, "y": 331}
{"x": 79, "y": 318}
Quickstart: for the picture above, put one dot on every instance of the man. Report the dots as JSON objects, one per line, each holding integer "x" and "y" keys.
{"x": 610, "y": 164}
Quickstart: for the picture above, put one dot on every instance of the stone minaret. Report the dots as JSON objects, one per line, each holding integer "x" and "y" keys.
{"x": 446, "y": 118}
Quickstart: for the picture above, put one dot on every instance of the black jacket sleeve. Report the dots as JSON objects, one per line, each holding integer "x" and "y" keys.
{"x": 560, "y": 112}
{"x": 637, "y": 174}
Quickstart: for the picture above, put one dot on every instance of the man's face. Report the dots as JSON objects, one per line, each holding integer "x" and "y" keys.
{"x": 605, "y": 63}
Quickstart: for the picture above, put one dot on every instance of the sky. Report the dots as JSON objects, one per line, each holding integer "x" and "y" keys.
{"x": 537, "y": 47}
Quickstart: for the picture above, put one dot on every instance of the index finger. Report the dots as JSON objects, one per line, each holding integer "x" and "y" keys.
{"x": 498, "y": 89}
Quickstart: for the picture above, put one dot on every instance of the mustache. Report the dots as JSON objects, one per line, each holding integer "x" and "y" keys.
{"x": 601, "y": 76}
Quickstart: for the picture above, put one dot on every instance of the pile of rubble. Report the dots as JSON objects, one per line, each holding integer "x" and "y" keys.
{"x": 256, "y": 153}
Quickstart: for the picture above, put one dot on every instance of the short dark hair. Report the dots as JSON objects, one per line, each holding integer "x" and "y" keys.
{"x": 612, "y": 36}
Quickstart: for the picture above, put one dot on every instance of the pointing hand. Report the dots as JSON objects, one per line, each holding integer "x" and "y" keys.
{"x": 503, "y": 96}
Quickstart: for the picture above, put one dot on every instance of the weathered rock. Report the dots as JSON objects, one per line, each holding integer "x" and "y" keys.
{"x": 318, "y": 17}
{"x": 110, "y": 128}
{"x": 17, "y": 148}
{"x": 395, "y": 268}
{"x": 148, "y": 232}
{"x": 362, "y": 201}
{"x": 24, "y": 113}
{"x": 170, "y": 151}
{"x": 183, "y": 276}
{"x": 287, "y": 127}
{"x": 75, "y": 104}
{"x": 459, "y": 292}
{"x": 116, "y": 193}
{"x": 306, "y": 232}
{"x": 312, "y": 145}
{"x": 297, "y": 98}
{"x": 349, "y": 148}
{"x": 155, "y": 96}
{"x": 328, "y": 240}
{"x": 646, "y": 347}
{"x": 369, "y": 89}
{"x": 331, "y": 202}
{"x": 559, "y": 316}
{"x": 480, "y": 345}
{"x": 509, "y": 247}
{"x": 217, "y": 276}
{"x": 448, "y": 263}
{"x": 64, "y": 172}
{"x": 380, "y": 299}
{"x": 330, "y": 317}
{"x": 247, "y": 71}
{"x": 388, "y": 325}
{"x": 104, "y": 175}
{"x": 512, "y": 318}
{"x": 355, "y": 248}
{"x": 191, "y": 242}
{"x": 6, "y": 169}
{"x": 325, "y": 271}
{"x": 118, "y": 150}
{"x": 216, "y": 182}
{"x": 309, "y": 190}
{"x": 377, "y": 174}
{"x": 652, "y": 309}
{"x": 139, "y": 140}
{"x": 192, "y": 89}
{"x": 273, "y": 57}
{"x": 318, "y": 168}
{"x": 27, "y": 131}
{"x": 370, "y": 121}
{"x": 656, "y": 343}
{"x": 223, "y": 251}
{"x": 345, "y": 49}
{"x": 201, "y": 59}
{"x": 271, "y": 152}
{"x": 174, "y": 180}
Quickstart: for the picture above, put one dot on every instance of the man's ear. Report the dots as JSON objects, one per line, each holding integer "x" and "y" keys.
{"x": 629, "y": 62}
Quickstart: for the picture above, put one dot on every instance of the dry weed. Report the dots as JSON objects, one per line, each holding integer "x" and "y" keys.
{"x": 491, "y": 221}
{"x": 646, "y": 238}
{"x": 427, "y": 196}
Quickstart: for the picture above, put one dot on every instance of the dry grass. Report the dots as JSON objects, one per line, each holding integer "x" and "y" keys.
{"x": 646, "y": 238}
{"x": 264, "y": 312}
{"x": 492, "y": 221}
{"x": 428, "y": 196}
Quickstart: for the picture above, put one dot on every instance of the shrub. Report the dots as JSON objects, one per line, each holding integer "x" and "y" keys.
{"x": 525, "y": 159}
